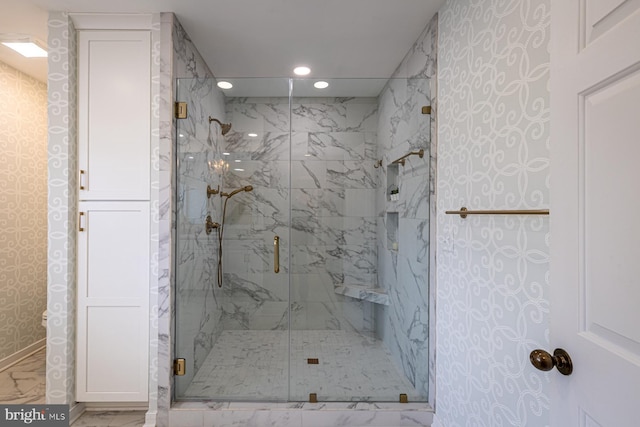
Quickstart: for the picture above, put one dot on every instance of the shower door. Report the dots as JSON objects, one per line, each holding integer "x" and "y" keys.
{"x": 233, "y": 334}
{"x": 359, "y": 266}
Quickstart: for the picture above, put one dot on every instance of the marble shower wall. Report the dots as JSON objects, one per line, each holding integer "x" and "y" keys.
{"x": 333, "y": 233}
{"x": 403, "y": 225}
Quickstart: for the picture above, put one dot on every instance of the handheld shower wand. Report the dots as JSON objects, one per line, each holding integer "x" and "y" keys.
{"x": 220, "y": 228}
{"x": 234, "y": 192}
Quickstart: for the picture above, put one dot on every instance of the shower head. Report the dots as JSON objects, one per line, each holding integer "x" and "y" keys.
{"x": 234, "y": 192}
{"x": 225, "y": 127}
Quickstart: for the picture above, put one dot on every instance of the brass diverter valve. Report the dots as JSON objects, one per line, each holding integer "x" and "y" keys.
{"x": 210, "y": 225}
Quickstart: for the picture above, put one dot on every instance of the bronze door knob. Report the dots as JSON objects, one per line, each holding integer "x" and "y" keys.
{"x": 545, "y": 362}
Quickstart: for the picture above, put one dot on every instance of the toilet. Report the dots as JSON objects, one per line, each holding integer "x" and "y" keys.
{"x": 44, "y": 319}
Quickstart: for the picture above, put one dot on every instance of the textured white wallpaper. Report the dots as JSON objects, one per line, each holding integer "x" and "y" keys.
{"x": 492, "y": 271}
{"x": 62, "y": 211}
{"x": 23, "y": 209}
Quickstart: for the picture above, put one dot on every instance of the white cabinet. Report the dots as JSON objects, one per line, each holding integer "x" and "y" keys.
{"x": 114, "y": 162}
{"x": 114, "y": 114}
{"x": 113, "y": 301}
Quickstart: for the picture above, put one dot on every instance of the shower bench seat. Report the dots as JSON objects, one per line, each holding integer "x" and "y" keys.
{"x": 364, "y": 293}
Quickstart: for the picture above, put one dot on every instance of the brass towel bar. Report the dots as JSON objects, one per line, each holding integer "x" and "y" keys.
{"x": 463, "y": 212}
{"x": 401, "y": 160}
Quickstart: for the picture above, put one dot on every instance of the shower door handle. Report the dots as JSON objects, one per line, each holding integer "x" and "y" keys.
{"x": 276, "y": 254}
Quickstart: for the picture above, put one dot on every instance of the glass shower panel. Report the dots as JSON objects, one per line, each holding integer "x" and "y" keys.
{"x": 359, "y": 267}
{"x": 233, "y": 333}
{"x": 346, "y": 316}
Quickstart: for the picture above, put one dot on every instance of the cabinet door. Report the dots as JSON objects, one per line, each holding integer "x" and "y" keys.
{"x": 114, "y": 128}
{"x": 113, "y": 302}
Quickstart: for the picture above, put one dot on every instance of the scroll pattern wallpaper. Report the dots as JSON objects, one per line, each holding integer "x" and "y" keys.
{"x": 23, "y": 209}
{"x": 62, "y": 200}
{"x": 493, "y": 271}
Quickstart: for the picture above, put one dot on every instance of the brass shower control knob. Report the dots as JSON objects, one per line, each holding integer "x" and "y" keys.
{"x": 545, "y": 362}
{"x": 210, "y": 225}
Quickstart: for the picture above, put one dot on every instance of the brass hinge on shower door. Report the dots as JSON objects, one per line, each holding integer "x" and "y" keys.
{"x": 179, "y": 367}
{"x": 180, "y": 110}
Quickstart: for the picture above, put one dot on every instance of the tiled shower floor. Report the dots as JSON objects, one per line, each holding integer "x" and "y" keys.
{"x": 252, "y": 365}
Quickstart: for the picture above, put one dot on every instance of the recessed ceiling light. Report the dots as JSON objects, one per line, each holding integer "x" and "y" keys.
{"x": 239, "y": 170}
{"x": 252, "y": 135}
{"x": 224, "y": 85}
{"x": 226, "y": 154}
{"x": 307, "y": 155}
{"x": 302, "y": 71}
{"x": 321, "y": 85}
{"x": 28, "y": 48}
{"x": 237, "y": 160}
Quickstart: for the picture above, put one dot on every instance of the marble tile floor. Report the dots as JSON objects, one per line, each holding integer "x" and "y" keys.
{"x": 24, "y": 382}
{"x": 253, "y": 365}
{"x": 110, "y": 419}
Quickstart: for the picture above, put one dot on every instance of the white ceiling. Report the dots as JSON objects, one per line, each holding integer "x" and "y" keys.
{"x": 23, "y": 17}
{"x": 259, "y": 38}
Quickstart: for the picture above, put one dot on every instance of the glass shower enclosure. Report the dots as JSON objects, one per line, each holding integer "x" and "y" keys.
{"x": 298, "y": 275}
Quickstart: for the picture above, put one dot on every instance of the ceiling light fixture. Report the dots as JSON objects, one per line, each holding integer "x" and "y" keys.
{"x": 25, "y": 46}
{"x": 252, "y": 135}
{"x": 226, "y": 154}
{"x": 302, "y": 71}
{"x": 321, "y": 85}
{"x": 224, "y": 85}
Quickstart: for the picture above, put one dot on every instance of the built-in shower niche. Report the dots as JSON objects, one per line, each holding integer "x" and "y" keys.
{"x": 392, "y": 231}
{"x": 393, "y": 189}
{"x": 392, "y": 202}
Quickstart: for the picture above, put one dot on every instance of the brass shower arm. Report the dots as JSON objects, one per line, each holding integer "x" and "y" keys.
{"x": 401, "y": 160}
{"x": 225, "y": 127}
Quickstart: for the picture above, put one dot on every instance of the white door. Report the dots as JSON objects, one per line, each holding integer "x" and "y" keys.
{"x": 595, "y": 199}
{"x": 114, "y": 117}
{"x": 113, "y": 302}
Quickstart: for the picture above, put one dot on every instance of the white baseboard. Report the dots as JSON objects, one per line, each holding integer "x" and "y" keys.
{"x": 22, "y": 354}
{"x": 75, "y": 411}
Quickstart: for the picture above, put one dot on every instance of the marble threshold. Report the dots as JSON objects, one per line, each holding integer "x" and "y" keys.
{"x": 296, "y": 414}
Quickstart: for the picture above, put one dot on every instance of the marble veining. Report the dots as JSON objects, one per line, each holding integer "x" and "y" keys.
{"x": 24, "y": 382}
{"x": 403, "y": 271}
{"x": 110, "y": 419}
{"x": 254, "y": 365}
